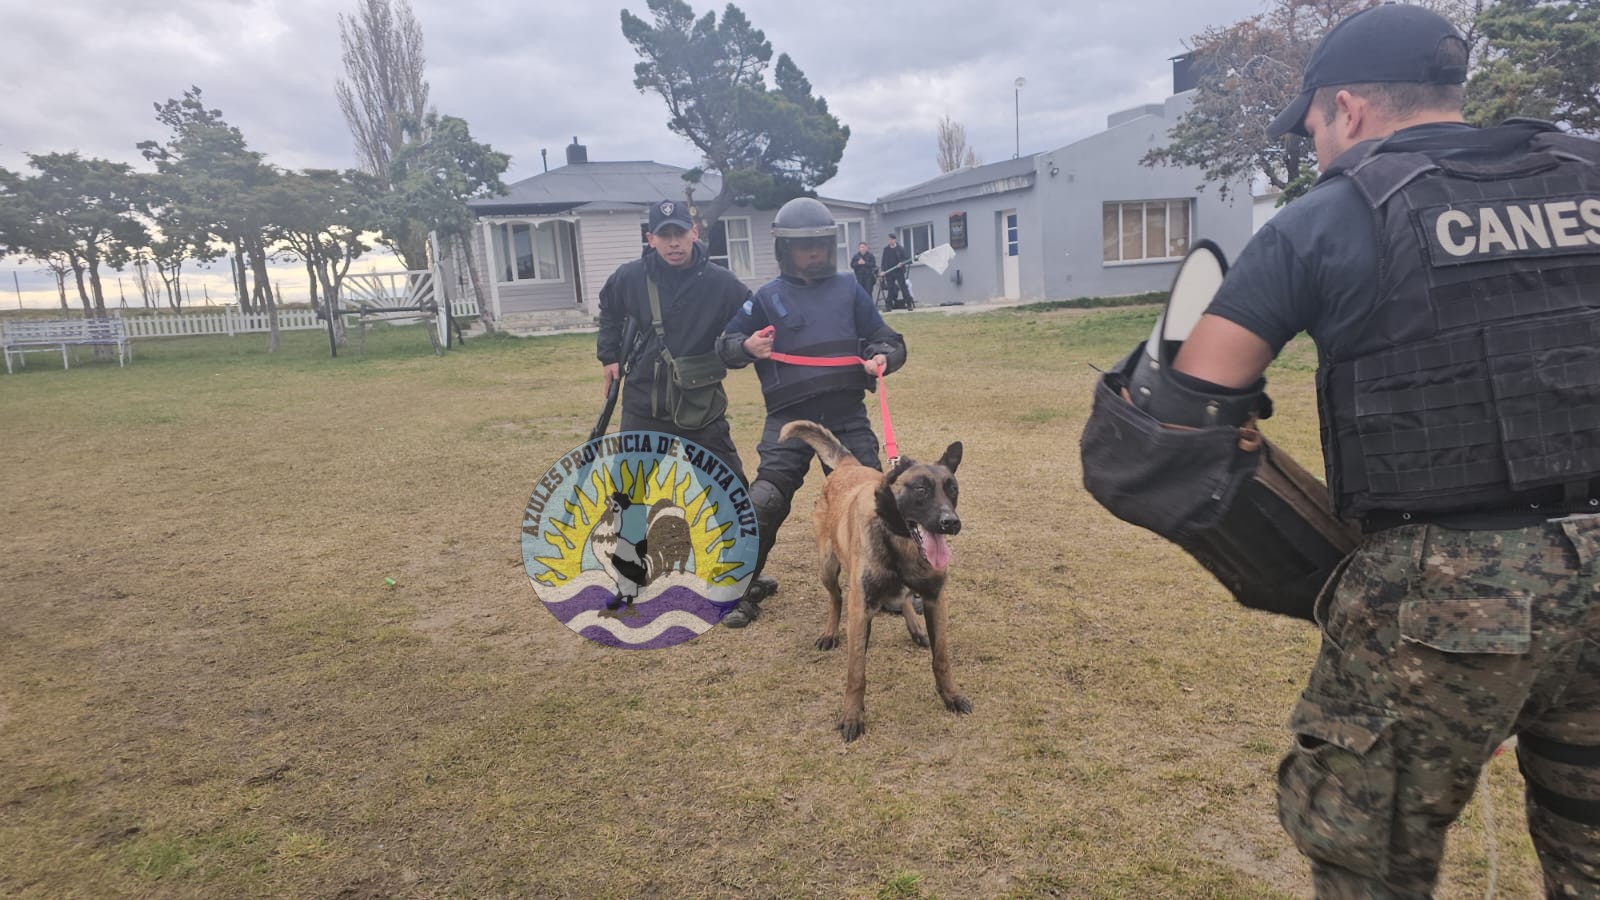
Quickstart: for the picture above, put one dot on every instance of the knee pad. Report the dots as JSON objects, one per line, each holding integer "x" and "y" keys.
{"x": 772, "y": 505}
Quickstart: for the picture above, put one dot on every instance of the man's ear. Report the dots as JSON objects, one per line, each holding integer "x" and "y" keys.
{"x": 952, "y": 457}
{"x": 1356, "y": 111}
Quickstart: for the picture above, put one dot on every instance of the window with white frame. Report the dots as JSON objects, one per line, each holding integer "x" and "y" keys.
{"x": 851, "y": 233}
{"x": 917, "y": 239}
{"x": 729, "y": 246}
{"x": 527, "y": 251}
{"x": 1144, "y": 230}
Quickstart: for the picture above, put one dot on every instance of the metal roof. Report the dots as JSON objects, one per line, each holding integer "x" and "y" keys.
{"x": 593, "y": 186}
{"x": 964, "y": 178}
{"x": 638, "y": 182}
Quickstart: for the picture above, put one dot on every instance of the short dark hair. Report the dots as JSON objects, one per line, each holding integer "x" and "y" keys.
{"x": 1402, "y": 99}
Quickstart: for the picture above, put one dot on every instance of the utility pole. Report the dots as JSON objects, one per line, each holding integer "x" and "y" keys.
{"x": 15, "y": 281}
{"x": 1016, "y": 97}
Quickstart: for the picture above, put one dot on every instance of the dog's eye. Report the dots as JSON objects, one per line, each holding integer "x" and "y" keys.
{"x": 921, "y": 487}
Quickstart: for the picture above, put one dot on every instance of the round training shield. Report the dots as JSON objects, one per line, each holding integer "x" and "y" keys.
{"x": 639, "y": 540}
{"x": 1149, "y": 386}
{"x": 1197, "y": 281}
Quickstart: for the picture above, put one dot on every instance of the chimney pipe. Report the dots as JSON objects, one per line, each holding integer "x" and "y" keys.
{"x": 576, "y": 152}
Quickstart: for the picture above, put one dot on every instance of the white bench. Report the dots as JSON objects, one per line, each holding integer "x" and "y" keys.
{"x": 20, "y": 336}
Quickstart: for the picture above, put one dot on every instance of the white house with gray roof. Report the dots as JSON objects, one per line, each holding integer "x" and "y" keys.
{"x": 1085, "y": 219}
{"x": 556, "y": 237}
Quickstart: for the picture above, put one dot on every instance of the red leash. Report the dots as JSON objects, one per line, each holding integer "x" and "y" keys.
{"x": 889, "y": 446}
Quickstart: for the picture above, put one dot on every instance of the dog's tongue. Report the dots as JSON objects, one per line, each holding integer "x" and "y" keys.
{"x": 936, "y": 550}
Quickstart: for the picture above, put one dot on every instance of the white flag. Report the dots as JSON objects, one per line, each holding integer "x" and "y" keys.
{"x": 937, "y": 258}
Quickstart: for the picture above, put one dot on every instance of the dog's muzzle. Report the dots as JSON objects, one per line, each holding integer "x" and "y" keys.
{"x": 949, "y": 523}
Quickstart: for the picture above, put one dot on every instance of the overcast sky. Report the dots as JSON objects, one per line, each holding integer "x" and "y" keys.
{"x": 531, "y": 74}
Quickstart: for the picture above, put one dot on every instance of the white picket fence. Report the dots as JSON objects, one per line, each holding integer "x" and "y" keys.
{"x": 374, "y": 290}
{"x": 227, "y": 321}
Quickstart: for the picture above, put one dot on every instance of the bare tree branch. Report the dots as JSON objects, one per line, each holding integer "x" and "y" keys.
{"x": 384, "y": 62}
{"x": 953, "y": 150}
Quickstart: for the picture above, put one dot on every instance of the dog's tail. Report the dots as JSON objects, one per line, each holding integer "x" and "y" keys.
{"x": 832, "y": 453}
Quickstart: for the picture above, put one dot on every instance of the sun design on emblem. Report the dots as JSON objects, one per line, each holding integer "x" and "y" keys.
{"x": 646, "y": 483}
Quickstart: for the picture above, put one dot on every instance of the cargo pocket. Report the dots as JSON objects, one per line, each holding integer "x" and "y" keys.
{"x": 1336, "y": 788}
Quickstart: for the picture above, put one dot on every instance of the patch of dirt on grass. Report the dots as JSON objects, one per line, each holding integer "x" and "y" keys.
{"x": 1276, "y": 865}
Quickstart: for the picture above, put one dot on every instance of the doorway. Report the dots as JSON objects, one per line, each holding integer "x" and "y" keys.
{"x": 1010, "y": 268}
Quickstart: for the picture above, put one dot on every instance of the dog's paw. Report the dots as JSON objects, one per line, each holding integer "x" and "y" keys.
{"x": 958, "y": 704}
{"x": 850, "y": 729}
{"x": 920, "y": 638}
{"x": 828, "y": 642}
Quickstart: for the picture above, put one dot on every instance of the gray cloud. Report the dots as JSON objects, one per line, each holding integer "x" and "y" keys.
{"x": 83, "y": 75}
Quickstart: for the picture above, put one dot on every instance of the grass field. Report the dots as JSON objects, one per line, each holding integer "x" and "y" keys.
{"x": 208, "y": 689}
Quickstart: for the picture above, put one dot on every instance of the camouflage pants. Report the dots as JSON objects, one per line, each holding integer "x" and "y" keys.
{"x": 1437, "y": 645}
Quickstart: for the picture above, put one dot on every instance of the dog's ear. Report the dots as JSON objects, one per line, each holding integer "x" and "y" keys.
{"x": 899, "y": 468}
{"x": 889, "y": 511}
{"x": 952, "y": 457}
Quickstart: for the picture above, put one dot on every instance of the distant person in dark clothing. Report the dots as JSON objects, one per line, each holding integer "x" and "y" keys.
{"x": 865, "y": 265}
{"x": 895, "y": 262}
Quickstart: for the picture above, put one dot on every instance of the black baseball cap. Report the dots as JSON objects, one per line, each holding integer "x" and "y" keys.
{"x": 1384, "y": 43}
{"x": 669, "y": 212}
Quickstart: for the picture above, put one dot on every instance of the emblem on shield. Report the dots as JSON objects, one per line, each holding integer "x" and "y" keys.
{"x": 639, "y": 540}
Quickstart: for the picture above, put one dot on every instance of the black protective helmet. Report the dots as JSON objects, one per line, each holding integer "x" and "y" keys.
{"x": 805, "y": 222}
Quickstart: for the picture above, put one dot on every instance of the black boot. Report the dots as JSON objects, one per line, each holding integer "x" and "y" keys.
{"x": 749, "y": 608}
{"x": 772, "y": 507}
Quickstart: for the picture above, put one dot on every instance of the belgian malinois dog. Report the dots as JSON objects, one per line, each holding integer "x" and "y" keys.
{"x": 886, "y": 532}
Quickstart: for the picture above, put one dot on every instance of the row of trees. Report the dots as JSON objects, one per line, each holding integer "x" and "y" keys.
{"x": 211, "y": 196}
{"x": 1538, "y": 58}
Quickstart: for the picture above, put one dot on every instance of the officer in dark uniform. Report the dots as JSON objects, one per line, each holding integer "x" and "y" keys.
{"x": 814, "y": 310}
{"x": 696, "y": 297}
{"x": 1450, "y": 277}
{"x": 865, "y": 265}
{"x": 894, "y": 262}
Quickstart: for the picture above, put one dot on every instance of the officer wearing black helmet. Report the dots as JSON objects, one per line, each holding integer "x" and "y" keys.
{"x": 1450, "y": 277}
{"x": 812, "y": 310}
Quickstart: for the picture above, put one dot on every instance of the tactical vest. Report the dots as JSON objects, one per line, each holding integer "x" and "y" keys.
{"x": 816, "y": 319}
{"x": 1475, "y": 385}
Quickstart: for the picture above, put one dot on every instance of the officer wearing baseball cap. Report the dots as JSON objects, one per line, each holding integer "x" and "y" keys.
{"x": 678, "y": 300}
{"x": 1388, "y": 45}
{"x": 1450, "y": 278}
{"x": 670, "y": 213}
